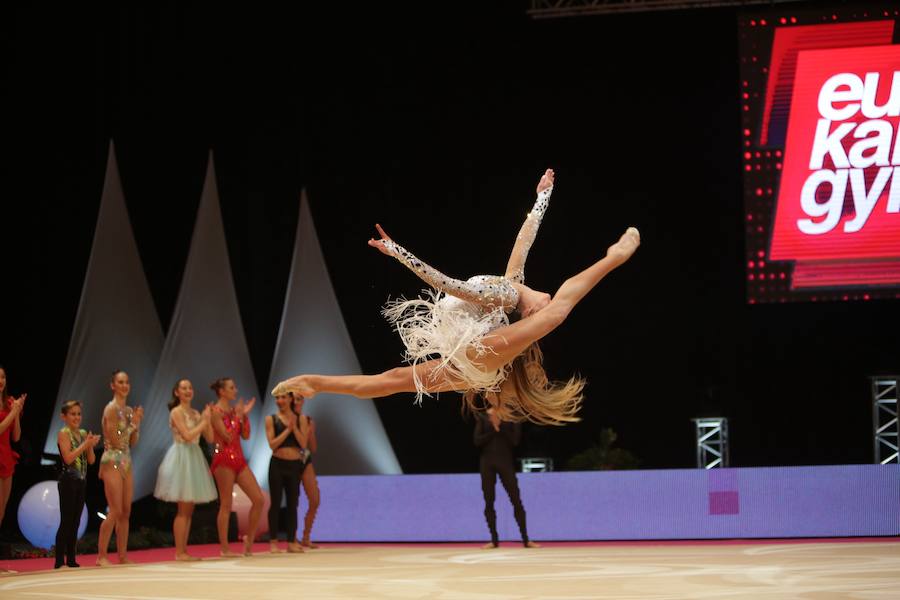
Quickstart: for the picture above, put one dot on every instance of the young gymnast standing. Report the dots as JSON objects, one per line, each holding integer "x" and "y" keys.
{"x": 76, "y": 448}
{"x": 121, "y": 429}
{"x": 10, "y": 431}
{"x": 183, "y": 475}
{"x": 285, "y": 468}
{"x": 230, "y": 423}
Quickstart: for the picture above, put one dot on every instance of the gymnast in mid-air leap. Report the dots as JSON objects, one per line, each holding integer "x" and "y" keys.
{"x": 480, "y": 337}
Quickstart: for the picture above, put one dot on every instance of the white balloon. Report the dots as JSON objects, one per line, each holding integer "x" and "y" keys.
{"x": 39, "y": 515}
{"x": 240, "y": 504}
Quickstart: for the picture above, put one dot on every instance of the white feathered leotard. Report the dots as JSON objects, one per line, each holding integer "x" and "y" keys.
{"x": 455, "y": 316}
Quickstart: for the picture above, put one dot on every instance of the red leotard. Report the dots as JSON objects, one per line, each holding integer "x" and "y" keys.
{"x": 229, "y": 454}
{"x": 8, "y": 457}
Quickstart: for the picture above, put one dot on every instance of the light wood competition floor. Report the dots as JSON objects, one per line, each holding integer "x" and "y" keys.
{"x": 805, "y": 569}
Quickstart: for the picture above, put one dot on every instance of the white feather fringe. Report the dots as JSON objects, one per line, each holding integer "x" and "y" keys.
{"x": 444, "y": 327}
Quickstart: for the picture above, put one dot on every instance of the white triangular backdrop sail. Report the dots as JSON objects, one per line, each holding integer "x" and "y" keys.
{"x": 116, "y": 326}
{"x": 205, "y": 340}
{"x": 314, "y": 339}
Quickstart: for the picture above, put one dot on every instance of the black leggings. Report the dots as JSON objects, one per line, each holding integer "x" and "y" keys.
{"x": 71, "y": 503}
{"x": 489, "y": 472}
{"x": 284, "y": 475}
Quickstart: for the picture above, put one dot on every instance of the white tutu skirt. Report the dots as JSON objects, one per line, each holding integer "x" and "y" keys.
{"x": 184, "y": 476}
{"x": 444, "y": 327}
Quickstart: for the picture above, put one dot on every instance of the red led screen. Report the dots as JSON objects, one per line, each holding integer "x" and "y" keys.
{"x": 821, "y": 154}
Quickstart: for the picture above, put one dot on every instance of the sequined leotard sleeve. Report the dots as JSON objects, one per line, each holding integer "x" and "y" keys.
{"x": 490, "y": 291}
{"x": 515, "y": 269}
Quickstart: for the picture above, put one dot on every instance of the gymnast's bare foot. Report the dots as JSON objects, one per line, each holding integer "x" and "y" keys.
{"x": 622, "y": 250}
{"x": 530, "y": 544}
{"x": 274, "y": 549}
{"x": 490, "y": 546}
{"x": 227, "y": 553}
{"x": 299, "y": 386}
{"x": 103, "y": 562}
{"x": 295, "y": 548}
{"x": 124, "y": 560}
{"x": 185, "y": 557}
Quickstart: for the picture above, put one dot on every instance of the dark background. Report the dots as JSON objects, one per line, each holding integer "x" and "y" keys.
{"x": 436, "y": 122}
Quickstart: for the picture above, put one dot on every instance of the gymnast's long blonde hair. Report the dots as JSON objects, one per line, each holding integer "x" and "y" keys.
{"x": 536, "y": 398}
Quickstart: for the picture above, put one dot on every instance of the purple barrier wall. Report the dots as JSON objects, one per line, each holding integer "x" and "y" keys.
{"x": 833, "y": 501}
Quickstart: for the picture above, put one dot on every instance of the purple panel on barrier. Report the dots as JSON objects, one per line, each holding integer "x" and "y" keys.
{"x": 724, "y": 498}
{"x": 724, "y": 503}
{"x": 852, "y": 500}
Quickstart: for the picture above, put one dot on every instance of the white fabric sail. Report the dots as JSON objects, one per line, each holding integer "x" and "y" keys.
{"x": 314, "y": 339}
{"x": 205, "y": 340}
{"x": 116, "y": 326}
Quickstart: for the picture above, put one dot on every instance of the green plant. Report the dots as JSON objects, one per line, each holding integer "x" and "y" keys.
{"x": 602, "y": 456}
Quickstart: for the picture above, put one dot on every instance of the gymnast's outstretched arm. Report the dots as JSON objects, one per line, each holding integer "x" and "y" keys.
{"x": 487, "y": 293}
{"x": 515, "y": 268}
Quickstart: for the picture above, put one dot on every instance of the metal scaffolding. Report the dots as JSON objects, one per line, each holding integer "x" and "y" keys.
{"x": 712, "y": 442}
{"x": 545, "y": 9}
{"x": 885, "y": 426}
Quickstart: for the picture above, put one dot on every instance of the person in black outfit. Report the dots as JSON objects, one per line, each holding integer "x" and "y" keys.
{"x": 285, "y": 467}
{"x": 76, "y": 449}
{"x": 497, "y": 440}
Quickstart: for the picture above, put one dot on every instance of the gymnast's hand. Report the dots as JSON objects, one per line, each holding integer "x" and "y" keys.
{"x": 546, "y": 180}
{"x": 17, "y": 405}
{"x": 379, "y": 244}
{"x": 242, "y": 409}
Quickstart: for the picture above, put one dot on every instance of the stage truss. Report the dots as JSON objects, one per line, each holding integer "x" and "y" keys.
{"x": 885, "y": 425}
{"x": 712, "y": 442}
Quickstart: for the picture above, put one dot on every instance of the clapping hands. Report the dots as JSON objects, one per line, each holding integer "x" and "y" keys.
{"x": 18, "y": 404}
{"x": 242, "y": 408}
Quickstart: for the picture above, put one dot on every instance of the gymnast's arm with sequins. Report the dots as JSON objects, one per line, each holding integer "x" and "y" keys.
{"x": 489, "y": 294}
{"x": 515, "y": 268}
